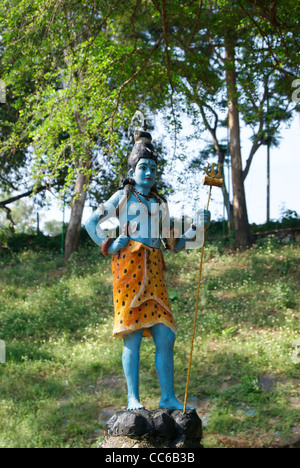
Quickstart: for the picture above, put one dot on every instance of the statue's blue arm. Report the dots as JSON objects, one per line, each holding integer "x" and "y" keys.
{"x": 202, "y": 222}
{"x": 109, "y": 210}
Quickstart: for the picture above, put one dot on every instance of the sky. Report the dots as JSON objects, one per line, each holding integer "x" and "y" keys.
{"x": 284, "y": 181}
{"x": 284, "y": 177}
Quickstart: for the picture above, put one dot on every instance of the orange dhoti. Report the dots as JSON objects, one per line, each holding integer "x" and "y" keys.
{"x": 140, "y": 293}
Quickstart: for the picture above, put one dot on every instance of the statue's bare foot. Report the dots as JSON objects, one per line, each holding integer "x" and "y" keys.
{"x": 173, "y": 404}
{"x": 134, "y": 404}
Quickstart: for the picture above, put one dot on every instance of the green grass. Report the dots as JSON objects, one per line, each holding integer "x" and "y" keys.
{"x": 63, "y": 376}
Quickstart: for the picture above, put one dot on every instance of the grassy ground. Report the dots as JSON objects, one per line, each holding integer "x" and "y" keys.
{"x": 63, "y": 377}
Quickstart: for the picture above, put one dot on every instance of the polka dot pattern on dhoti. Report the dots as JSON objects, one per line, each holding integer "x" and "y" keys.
{"x": 140, "y": 293}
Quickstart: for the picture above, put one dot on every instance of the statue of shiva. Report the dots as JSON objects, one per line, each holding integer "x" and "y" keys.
{"x": 141, "y": 303}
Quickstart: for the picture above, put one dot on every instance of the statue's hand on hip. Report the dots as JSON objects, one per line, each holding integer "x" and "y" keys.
{"x": 121, "y": 242}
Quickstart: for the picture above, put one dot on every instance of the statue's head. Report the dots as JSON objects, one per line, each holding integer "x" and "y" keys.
{"x": 142, "y": 162}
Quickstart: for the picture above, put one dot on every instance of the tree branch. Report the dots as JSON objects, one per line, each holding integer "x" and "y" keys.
{"x": 263, "y": 35}
{"x": 165, "y": 26}
{"x": 135, "y": 75}
{"x": 258, "y": 140}
{"x": 3, "y": 203}
{"x": 8, "y": 215}
{"x": 196, "y": 23}
{"x": 256, "y": 145}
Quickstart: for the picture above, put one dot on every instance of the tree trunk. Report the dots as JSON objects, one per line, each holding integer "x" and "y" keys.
{"x": 240, "y": 216}
{"x": 74, "y": 227}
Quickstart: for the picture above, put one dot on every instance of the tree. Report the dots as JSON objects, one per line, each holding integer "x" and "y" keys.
{"x": 240, "y": 218}
{"x": 277, "y": 22}
{"x": 78, "y": 71}
{"x": 222, "y": 58}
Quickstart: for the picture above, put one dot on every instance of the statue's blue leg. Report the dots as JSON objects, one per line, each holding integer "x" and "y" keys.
{"x": 131, "y": 366}
{"x": 164, "y": 339}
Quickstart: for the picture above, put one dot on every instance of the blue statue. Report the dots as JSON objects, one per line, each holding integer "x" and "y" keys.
{"x": 142, "y": 306}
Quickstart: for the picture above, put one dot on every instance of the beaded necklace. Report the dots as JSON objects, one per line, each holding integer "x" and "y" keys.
{"x": 137, "y": 195}
{"x": 140, "y": 193}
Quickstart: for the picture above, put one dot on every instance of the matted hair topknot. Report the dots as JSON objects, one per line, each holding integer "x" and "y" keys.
{"x": 143, "y": 148}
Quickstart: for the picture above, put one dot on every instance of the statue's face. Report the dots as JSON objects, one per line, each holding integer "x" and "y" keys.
{"x": 145, "y": 173}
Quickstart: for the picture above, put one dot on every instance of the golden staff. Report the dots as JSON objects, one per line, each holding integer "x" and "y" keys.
{"x": 213, "y": 179}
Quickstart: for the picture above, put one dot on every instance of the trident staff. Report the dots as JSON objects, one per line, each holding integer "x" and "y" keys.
{"x": 213, "y": 178}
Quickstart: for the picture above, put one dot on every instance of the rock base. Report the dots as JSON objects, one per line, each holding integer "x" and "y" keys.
{"x": 161, "y": 428}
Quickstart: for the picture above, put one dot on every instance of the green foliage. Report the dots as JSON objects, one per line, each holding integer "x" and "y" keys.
{"x": 52, "y": 228}
{"x": 38, "y": 242}
{"x": 289, "y": 219}
{"x": 22, "y": 241}
{"x": 67, "y": 70}
{"x": 76, "y": 73}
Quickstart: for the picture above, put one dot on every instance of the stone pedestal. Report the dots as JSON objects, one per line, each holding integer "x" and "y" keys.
{"x": 161, "y": 428}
